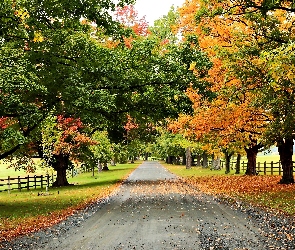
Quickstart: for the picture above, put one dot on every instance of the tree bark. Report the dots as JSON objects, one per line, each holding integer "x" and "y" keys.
{"x": 193, "y": 160}
{"x": 183, "y": 159}
{"x": 99, "y": 166}
{"x": 188, "y": 155}
{"x": 105, "y": 167}
{"x": 205, "y": 160}
{"x": 199, "y": 157}
{"x": 285, "y": 147}
{"x": 169, "y": 159}
{"x": 60, "y": 165}
{"x": 216, "y": 163}
{"x": 251, "y": 157}
{"x": 227, "y": 161}
{"x": 238, "y": 164}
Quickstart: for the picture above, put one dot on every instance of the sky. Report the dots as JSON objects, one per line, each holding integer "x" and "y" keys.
{"x": 154, "y": 9}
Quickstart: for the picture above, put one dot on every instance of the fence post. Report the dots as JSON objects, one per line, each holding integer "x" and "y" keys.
{"x": 42, "y": 181}
{"x": 47, "y": 186}
{"x": 271, "y": 168}
{"x": 280, "y": 171}
{"x": 8, "y": 184}
{"x": 264, "y": 168}
{"x": 258, "y": 166}
{"x": 35, "y": 181}
{"x": 28, "y": 182}
{"x": 19, "y": 184}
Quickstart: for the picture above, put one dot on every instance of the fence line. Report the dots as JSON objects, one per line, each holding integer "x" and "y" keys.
{"x": 264, "y": 168}
{"x": 27, "y": 182}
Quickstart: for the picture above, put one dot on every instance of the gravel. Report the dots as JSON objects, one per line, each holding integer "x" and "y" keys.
{"x": 153, "y": 209}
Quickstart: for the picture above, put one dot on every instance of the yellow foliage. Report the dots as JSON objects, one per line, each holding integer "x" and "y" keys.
{"x": 38, "y": 38}
{"x": 22, "y": 14}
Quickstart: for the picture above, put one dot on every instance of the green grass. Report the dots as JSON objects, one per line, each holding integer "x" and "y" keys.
{"x": 17, "y": 208}
{"x": 6, "y": 171}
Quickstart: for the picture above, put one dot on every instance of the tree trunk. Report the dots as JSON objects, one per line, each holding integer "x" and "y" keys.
{"x": 188, "y": 155}
{"x": 238, "y": 164}
{"x": 99, "y": 166}
{"x": 251, "y": 157}
{"x": 193, "y": 160}
{"x": 169, "y": 159}
{"x": 199, "y": 157}
{"x": 60, "y": 166}
{"x": 227, "y": 161}
{"x": 183, "y": 159}
{"x": 216, "y": 163}
{"x": 174, "y": 160}
{"x": 205, "y": 160}
{"x": 146, "y": 156}
{"x": 105, "y": 167}
{"x": 285, "y": 147}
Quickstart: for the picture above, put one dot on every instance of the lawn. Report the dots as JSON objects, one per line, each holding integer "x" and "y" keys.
{"x": 27, "y": 211}
{"x": 6, "y": 171}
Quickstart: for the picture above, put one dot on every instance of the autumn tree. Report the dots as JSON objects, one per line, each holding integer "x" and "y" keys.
{"x": 63, "y": 143}
{"x": 250, "y": 41}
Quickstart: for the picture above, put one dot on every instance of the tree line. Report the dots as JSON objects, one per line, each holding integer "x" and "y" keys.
{"x": 83, "y": 82}
{"x": 71, "y": 75}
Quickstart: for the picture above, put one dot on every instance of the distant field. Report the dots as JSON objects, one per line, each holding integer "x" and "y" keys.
{"x": 5, "y": 171}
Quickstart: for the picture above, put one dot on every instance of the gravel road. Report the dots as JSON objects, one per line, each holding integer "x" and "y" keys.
{"x": 153, "y": 209}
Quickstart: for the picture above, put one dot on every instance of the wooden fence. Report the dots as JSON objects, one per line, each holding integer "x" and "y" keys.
{"x": 265, "y": 168}
{"x": 27, "y": 182}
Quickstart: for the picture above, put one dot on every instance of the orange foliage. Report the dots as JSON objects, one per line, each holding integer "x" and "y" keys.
{"x": 259, "y": 190}
{"x": 130, "y": 124}
{"x": 225, "y": 121}
{"x": 128, "y": 42}
{"x": 72, "y": 139}
{"x": 4, "y": 122}
{"x": 230, "y": 116}
{"x": 128, "y": 16}
{"x": 239, "y": 185}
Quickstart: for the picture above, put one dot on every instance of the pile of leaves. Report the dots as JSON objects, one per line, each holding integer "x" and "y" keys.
{"x": 262, "y": 191}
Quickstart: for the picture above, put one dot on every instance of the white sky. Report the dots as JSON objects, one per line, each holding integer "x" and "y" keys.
{"x": 154, "y": 9}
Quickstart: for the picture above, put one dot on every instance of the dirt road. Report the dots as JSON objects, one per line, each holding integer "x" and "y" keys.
{"x": 155, "y": 210}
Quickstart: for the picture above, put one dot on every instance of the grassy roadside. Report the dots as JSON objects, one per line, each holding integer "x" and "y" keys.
{"x": 28, "y": 211}
{"x": 262, "y": 191}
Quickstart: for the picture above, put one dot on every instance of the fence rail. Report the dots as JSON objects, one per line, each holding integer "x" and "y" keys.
{"x": 264, "y": 168}
{"x": 27, "y": 182}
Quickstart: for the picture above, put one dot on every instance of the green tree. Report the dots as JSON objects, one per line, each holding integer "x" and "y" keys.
{"x": 53, "y": 62}
{"x": 103, "y": 149}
